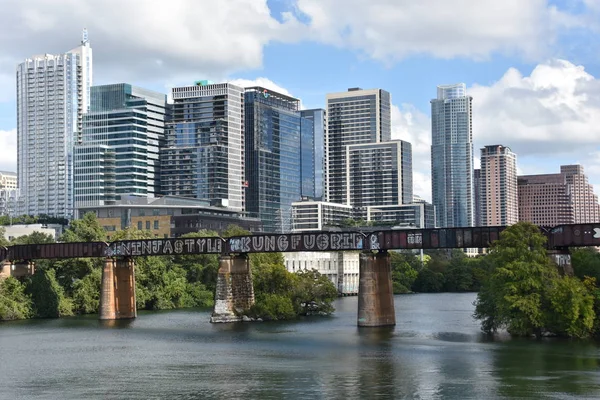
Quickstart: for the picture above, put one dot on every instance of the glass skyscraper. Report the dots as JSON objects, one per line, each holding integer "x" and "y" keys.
{"x": 279, "y": 163}
{"x": 119, "y": 151}
{"x": 452, "y": 156}
{"x": 203, "y": 155}
{"x": 354, "y": 117}
{"x": 52, "y": 96}
{"x": 317, "y": 116}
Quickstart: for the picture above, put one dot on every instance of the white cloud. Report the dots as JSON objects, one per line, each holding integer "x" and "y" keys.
{"x": 411, "y": 125}
{"x": 548, "y": 118}
{"x": 555, "y": 110}
{"x": 144, "y": 40}
{"x": 263, "y": 82}
{"x": 389, "y": 30}
{"x": 8, "y": 150}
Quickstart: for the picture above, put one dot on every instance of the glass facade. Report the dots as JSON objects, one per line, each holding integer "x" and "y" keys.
{"x": 353, "y": 117}
{"x": 204, "y": 147}
{"x": 307, "y": 158}
{"x": 317, "y": 116}
{"x": 52, "y": 96}
{"x": 452, "y": 157}
{"x": 278, "y": 146}
{"x": 119, "y": 151}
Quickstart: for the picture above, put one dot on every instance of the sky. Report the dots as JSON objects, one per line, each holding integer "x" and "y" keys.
{"x": 531, "y": 66}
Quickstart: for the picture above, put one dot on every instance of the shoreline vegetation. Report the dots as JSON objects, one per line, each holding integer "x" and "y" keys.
{"x": 71, "y": 287}
{"x": 519, "y": 289}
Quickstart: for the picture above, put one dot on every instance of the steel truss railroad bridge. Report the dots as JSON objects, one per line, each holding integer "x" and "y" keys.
{"x": 235, "y": 291}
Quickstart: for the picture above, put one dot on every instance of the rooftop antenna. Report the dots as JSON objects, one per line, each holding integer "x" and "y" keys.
{"x": 84, "y": 36}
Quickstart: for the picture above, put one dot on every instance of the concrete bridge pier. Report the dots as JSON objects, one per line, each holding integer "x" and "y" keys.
{"x": 235, "y": 291}
{"x": 117, "y": 296}
{"x": 5, "y": 269}
{"x": 562, "y": 259}
{"x": 375, "y": 292}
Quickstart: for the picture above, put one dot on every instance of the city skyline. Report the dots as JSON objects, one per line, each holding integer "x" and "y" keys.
{"x": 547, "y": 93}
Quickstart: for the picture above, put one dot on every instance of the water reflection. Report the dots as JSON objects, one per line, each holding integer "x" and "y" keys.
{"x": 116, "y": 323}
{"x": 436, "y": 351}
{"x": 528, "y": 367}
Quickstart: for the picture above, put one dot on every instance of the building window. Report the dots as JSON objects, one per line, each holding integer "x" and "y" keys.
{"x": 140, "y": 225}
{"x": 147, "y": 225}
{"x": 156, "y": 224}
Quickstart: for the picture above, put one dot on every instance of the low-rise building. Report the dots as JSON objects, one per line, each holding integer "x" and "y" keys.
{"x": 168, "y": 216}
{"x": 14, "y": 231}
{"x": 318, "y": 215}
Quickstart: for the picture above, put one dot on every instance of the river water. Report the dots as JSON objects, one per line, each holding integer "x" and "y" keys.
{"x": 436, "y": 351}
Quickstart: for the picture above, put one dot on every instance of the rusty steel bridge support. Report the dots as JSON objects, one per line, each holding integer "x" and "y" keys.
{"x": 235, "y": 291}
{"x": 117, "y": 295}
{"x": 375, "y": 292}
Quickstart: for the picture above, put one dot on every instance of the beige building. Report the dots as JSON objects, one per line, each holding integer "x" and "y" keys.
{"x": 167, "y": 216}
{"x": 554, "y": 199}
{"x": 499, "y": 202}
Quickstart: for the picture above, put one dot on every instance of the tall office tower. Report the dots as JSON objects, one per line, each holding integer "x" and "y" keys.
{"x": 203, "y": 155}
{"x": 275, "y": 157}
{"x": 52, "y": 96}
{"x": 477, "y": 221}
{"x": 119, "y": 151}
{"x": 554, "y": 199}
{"x": 452, "y": 156}
{"x": 353, "y": 117}
{"x": 499, "y": 193}
{"x": 379, "y": 174}
{"x": 317, "y": 116}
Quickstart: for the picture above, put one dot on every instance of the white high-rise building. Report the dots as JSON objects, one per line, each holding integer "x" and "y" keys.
{"x": 452, "y": 156}
{"x": 53, "y": 93}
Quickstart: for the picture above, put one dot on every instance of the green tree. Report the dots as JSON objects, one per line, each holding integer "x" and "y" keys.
{"x": 404, "y": 271}
{"x": 524, "y": 292}
{"x": 71, "y": 270}
{"x": 48, "y": 296}
{"x": 201, "y": 269}
{"x": 458, "y": 277}
{"x": 86, "y": 292}
{"x": 14, "y": 302}
{"x": 33, "y": 238}
{"x": 572, "y": 308}
{"x": 86, "y": 229}
{"x": 312, "y": 293}
{"x": 3, "y": 240}
{"x": 429, "y": 281}
{"x": 586, "y": 262}
{"x": 591, "y": 285}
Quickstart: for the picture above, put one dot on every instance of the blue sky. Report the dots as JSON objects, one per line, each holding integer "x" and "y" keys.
{"x": 531, "y": 65}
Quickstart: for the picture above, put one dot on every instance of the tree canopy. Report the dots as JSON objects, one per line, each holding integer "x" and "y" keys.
{"x": 526, "y": 295}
